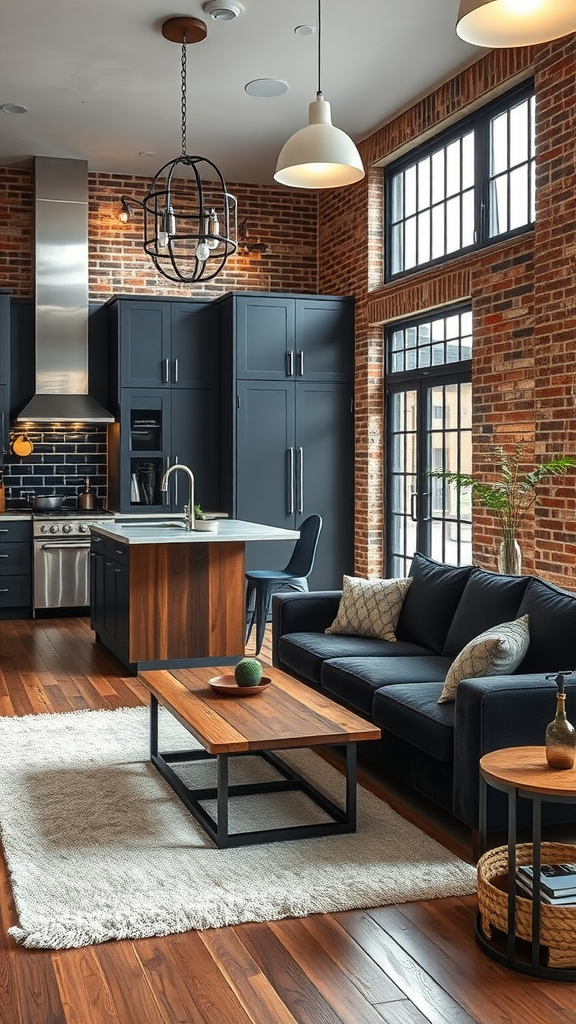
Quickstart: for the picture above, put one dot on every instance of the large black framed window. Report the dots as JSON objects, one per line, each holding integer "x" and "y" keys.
{"x": 428, "y": 427}
{"x": 468, "y": 186}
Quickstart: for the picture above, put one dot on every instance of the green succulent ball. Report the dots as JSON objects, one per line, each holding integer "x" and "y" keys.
{"x": 248, "y": 672}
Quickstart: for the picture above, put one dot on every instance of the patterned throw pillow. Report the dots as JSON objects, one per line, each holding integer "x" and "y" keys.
{"x": 497, "y": 652}
{"x": 370, "y": 607}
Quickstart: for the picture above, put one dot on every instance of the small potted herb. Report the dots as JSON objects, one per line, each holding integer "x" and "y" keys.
{"x": 201, "y": 522}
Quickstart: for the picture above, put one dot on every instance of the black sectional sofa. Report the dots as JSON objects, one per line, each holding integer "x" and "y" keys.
{"x": 435, "y": 748}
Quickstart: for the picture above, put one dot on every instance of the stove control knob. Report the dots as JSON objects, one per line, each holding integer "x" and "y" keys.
{"x": 66, "y": 528}
{"x": 43, "y": 528}
{"x": 54, "y": 528}
{"x": 83, "y": 528}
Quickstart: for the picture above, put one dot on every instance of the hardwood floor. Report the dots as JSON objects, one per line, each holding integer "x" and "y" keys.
{"x": 410, "y": 964}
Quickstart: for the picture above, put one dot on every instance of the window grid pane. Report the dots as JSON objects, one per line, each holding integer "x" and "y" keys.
{"x": 435, "y": 200}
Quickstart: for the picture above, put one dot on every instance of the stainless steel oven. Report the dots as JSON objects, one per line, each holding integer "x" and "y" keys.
{"x": 61, "y": 558}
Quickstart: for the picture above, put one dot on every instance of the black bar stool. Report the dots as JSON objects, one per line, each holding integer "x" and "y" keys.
{"x": 261, "y": 583}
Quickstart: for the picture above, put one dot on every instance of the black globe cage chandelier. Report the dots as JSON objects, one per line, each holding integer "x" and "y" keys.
{"x": 190, "y": 220}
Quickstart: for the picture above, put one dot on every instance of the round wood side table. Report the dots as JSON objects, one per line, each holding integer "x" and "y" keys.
{"x": 524, "y": 772}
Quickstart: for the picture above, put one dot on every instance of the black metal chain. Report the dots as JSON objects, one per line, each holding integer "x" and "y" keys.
{"x": 183, "y": 78}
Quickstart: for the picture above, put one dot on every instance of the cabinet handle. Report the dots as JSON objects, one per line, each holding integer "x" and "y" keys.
{"x": 3, "y": 556}
{"x": 290, "y": 364}
{"x": 175, "y": 371}
{"x": 4, "y": 531}
{"x": 290, "y": 481}
{"x": 166, "y": 371}
{"x": 166, "y": 493}
{"x": 301, "y": 363}
{"x": 4, "y": 590}
{"x": 300, "y": 479}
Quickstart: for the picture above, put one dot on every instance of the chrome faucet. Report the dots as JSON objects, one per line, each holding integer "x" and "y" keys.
{"x": 189, "y": 508}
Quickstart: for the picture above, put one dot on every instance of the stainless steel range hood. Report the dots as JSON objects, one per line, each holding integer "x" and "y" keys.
{"x": 61, "y": 308}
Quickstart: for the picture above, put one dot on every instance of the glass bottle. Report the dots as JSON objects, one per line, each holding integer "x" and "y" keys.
{"x": 561, "y": 736}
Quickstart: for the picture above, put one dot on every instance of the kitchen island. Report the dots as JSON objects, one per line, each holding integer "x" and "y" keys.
{"x": 163, "y": 596}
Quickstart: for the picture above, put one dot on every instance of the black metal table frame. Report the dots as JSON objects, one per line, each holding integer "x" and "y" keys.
{"x": 343, "y": 820}
{"x": 509, "y": 959}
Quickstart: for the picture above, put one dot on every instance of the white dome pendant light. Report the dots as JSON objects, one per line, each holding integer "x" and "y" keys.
{"x": 319, "y": 155}
{"x": 499, "y": 23}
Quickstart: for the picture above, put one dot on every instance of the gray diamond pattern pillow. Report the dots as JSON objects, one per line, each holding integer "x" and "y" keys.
{"x": 370, "y": 607}
{"x": 497, "y": 652}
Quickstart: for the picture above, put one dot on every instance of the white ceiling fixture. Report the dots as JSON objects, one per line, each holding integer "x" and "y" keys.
{"x": 319, "y": 155}
{"x": 500, "y": 23}
{"x": 266, "y": 87}
{"x": 223, "y": 10}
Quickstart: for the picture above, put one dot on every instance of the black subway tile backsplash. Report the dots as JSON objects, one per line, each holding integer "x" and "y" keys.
{"x": 58, "y": 464}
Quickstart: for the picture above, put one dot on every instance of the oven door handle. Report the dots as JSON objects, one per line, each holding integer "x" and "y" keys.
{"x": 66, "y": 545}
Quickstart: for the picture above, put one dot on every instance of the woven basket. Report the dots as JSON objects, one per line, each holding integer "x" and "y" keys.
{"x": 557, "y": 924}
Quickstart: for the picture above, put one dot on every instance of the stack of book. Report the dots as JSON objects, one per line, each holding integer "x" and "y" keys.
{"x": 557, "y": 883}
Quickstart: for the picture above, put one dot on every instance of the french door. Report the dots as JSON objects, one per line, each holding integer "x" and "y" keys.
{"x": 429, "y": 427}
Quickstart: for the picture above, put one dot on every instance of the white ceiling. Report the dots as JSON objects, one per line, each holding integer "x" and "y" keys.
{"x": 102, "y": 84}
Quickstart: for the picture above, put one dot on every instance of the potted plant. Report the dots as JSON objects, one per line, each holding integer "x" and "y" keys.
{"x": 201, "y": 522}
{"x": 510, "y": 497}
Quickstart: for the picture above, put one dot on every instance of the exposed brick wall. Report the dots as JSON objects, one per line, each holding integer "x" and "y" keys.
{"x": 523, "y": 298}
{"x": 17, "y": 230}
{"x": 286, "y": 221}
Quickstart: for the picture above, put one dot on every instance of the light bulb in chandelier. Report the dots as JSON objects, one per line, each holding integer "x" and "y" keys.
{"x": 168, "y": 227}
{"x": 212, "y": 228}
{"x": 202, "y": 251}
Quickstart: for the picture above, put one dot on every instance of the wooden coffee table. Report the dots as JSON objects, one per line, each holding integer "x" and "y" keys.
{"x": 286, "y": 715}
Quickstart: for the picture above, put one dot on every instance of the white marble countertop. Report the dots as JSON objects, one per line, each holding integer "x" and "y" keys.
{"x": 14, "y": 514}
{"x": 172, "y": 532}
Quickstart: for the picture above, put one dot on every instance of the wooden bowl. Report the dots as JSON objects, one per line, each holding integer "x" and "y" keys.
{"x": 228, "y": 686}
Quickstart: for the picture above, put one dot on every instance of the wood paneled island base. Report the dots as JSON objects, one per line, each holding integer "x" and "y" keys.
{"x": 286, "y": 715}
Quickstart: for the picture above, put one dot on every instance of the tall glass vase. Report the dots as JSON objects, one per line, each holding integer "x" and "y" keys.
{"x": 509, "y": 557}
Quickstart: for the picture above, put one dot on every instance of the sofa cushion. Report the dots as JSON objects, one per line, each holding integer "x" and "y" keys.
{"x": 304, "y": 653}
{"x": 370, "y": 607}
{"x": 431, "y": 602}
{"x": 488, "y": 599}
{"x": 552, "y": 613}
{"x": 414, "y": 714}
{"x": 496, "y": 652}
{"x": 354, "y": 681}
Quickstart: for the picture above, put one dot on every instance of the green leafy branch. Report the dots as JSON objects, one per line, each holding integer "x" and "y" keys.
{"x": 513, "y": 495}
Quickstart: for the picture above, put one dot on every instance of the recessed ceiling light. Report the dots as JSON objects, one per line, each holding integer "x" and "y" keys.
{"x": 145, "y": 152}
{"x": 304, "y": 30}
{"x": 266, "y": 87}
{"x": 223, "y": 10}
{"x": 14, "y": 108}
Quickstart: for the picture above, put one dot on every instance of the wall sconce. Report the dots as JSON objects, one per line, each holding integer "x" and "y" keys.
{"x": 245, "y": 247}
{"x": 127, "y": 211}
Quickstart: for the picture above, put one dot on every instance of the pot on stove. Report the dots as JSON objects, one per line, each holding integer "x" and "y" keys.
{"x": 86, "y": 499}
{"x": 46, "y": 502}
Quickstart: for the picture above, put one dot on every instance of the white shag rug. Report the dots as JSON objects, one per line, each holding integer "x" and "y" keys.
{"x": 99, "y": 847}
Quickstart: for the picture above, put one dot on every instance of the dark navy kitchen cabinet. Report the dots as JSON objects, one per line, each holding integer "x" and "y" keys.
{"x": 163, "y": 343}
{"x": 287, "y": 447}
{"x": 165, "y": 361}
{"x": 15, "y": 569}
{"x": 4, "y": 373}
{"x": 281, "y": 337}
{"x": 109, "y": 594}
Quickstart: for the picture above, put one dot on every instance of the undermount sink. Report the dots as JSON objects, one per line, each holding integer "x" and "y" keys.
{"x": 153, "y": 526}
